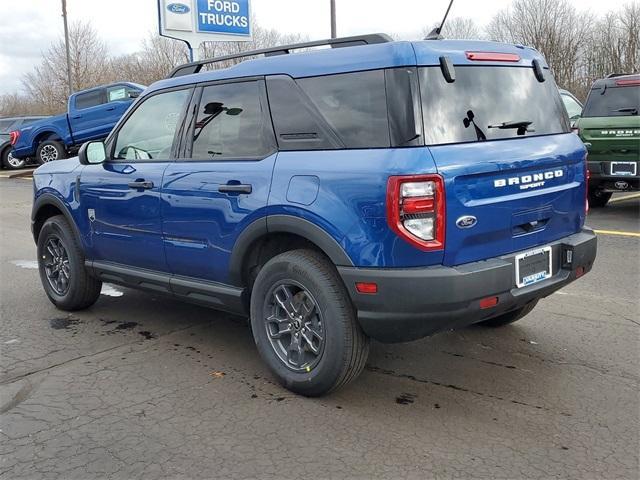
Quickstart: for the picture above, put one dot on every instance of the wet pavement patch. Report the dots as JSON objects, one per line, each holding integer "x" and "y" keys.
{"x": 405, "y": 398}
{"x": 63, "y": 323}
{"x": 126, "y": 325}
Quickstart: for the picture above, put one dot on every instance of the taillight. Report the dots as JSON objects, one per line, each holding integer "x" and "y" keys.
{"x": 492, "y": 56}
{"x": 416, "y": 210}
{"x": 587, "y": 176}
{"x": 13, "y": 137}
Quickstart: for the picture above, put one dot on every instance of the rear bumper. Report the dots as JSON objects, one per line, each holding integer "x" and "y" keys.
{"x": 416, "y": 302}
{"x": 601, "y": 178}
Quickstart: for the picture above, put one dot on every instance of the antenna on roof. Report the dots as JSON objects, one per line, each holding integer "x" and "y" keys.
{"x": 435, "y": 33}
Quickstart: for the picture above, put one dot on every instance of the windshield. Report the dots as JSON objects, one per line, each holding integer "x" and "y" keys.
{"x": 612, "y": 102}
{"x": 489, "y": 103}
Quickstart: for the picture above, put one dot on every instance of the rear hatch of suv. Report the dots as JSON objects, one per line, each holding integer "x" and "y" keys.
{"x": 610, "y": 124}
{"x": 501, "y": 140}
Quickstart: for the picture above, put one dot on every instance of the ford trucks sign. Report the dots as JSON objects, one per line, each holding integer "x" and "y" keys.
{"x": 223, "y": 16}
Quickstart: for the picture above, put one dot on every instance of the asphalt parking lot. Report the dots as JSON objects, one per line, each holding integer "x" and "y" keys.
{"x": 141, "y": 386}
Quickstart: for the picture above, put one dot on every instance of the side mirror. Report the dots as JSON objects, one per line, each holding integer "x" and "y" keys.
{"x": 92, "y": 153}
{"x": 133, "y": 94}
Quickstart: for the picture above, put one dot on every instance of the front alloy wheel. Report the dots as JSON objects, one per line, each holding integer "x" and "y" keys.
{"x": 294, "y": 326}
{"x": 56, "y": 265}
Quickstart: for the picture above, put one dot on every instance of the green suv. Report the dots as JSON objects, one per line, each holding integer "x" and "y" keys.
{"x": 610, "y": 129}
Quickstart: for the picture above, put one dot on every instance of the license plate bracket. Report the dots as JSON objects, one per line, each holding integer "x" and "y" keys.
{"x": 533, "y": 266}
{"x": 623, "y": 168}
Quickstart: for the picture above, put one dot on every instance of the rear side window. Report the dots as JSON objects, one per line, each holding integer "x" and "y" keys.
{"x": 232, "y": 123}
{"x": 90, "y": 99}
{"x": 613, "y": 102}
{"x": 489, "y": 103}
{"x": 354, "y": 105}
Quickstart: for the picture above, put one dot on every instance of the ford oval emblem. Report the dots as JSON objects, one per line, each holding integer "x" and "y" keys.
{"x": 178, "y": 8}
{"x": 467, "y": 221}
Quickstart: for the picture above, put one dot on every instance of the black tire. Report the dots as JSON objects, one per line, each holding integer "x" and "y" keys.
{"x": 509, "y": 317}
{"x": 598, "y": 198}
{"x": 82, "y": 290}
{"x": 344, "y": 349}
{"x": 49, "y": 151}
{"x": 9, "y": 162}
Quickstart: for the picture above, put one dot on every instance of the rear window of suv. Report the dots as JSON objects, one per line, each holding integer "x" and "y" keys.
{"x": 483, "y": 98}
{"x": 612, "y": 102}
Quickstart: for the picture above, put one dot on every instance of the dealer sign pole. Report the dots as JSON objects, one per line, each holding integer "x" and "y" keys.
{"x": 66, "y": 45}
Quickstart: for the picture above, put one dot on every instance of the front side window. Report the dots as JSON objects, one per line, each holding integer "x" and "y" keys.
{"x": 149, "y": 132}
{"x": 489, "y": 103}
{"x": 232, "y": 123}
{"x": 90, "y": 99}
{"x": 613, "y": 102}
{"x": 354, "y": 105}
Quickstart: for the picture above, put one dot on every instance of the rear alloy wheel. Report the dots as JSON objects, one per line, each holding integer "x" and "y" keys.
{"x": 10, "y": 162}
{"x": 598, "y": 198}
{"x": 50, "y": 151}
{"x": 304, "y": 324}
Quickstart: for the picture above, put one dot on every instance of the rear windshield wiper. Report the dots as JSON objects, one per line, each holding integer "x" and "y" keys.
{"x": 631, "y": 110}
{"x": 522, "y": 126}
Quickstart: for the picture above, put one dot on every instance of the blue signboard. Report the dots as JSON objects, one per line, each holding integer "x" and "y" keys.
{"x": 224, "y": 16}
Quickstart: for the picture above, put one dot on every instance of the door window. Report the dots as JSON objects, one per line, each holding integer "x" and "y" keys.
{"x": 89, "y": 99}
{"x": 149, "y": 132}
{"x": 232, "y": 123}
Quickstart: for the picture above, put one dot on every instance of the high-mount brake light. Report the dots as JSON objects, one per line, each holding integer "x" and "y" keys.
{"x": 492, "y": 57}
{"x": 13, "y": 137}
{"x": 628, "y": 82}
{"x": 416, "y": 210}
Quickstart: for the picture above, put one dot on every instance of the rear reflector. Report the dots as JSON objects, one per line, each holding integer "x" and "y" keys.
{"x": 488, "y": 302}
{"x": 579, "y": 272}
{"x": 366, "y": 287}
{"x": 628, "y": 82}
{"x": 493, "y": 57}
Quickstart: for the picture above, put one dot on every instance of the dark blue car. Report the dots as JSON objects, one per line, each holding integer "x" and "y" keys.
{"x": 376, "y": 189}
{"x": 91, "y": 115}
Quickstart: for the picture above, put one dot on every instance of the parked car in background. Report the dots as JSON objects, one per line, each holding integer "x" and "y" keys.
{"x": 610, "y": 129}
{"x": 572, "y": 105}
{"x": 376, "y": 189}
{"x": 7, "y": 124}
{"x": 91, "y": 115}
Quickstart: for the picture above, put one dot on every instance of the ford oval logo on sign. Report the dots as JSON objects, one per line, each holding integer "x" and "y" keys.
{"x": 466, "y": 221}
{"x": 178, "y": 8}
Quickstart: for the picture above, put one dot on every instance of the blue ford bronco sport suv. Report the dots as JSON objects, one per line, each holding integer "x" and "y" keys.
{"x": 375, "y": 189}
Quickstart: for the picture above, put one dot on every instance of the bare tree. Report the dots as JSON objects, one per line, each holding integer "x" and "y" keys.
{"x": 461, "y": 28}
{"x": 89, "y": 64}
{"x": 553, "y": 27}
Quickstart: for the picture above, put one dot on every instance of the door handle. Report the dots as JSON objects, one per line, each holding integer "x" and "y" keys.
{"x": 110, "y": 108}
{"x": 235, "y": 188}
{"x": 76, "y": 117}
{"x": 141, "y": 184}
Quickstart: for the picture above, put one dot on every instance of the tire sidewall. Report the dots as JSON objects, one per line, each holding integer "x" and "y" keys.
{"x": 330, "y": 367}
{"x": 57, "y": 226}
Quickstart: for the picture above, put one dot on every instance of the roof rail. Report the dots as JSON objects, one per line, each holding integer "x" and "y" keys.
{"x": 370, "y": 39}
{"x": 614, "y": 75}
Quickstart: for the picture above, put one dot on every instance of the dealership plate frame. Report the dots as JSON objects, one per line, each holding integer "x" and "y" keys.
{"x": 538, "y": 276}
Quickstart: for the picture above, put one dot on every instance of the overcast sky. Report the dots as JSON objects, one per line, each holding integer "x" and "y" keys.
{"x": 27, "y": 27}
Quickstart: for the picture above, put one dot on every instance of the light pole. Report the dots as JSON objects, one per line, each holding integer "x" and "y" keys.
{"x": 66, "y": 45}
{"x": 333, "y": 18}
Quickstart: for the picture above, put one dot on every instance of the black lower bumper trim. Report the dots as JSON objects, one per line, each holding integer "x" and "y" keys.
{"x": 413, "y": 303}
